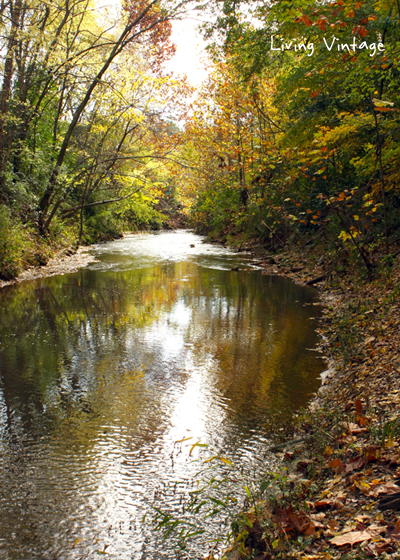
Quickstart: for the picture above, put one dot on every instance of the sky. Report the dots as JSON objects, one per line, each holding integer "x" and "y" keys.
{"x": 190, "y": 47}
{"x": 190, "y": 51}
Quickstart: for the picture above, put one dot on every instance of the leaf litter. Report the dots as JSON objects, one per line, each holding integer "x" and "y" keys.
{"x": 339, "y": 487}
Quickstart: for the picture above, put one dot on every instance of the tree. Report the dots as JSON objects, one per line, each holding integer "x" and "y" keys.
{"x": 330, "y": 74}
{"x": 57, "y": 57}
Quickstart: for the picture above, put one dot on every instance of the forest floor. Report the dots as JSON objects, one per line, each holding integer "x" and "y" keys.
{"x": 336, "y": 494}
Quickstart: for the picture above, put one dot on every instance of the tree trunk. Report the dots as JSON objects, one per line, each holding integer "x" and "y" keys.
{"x": 123, "y": 40}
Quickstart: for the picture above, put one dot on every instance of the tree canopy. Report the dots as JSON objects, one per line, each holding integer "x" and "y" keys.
{"x": 295, "y": 133}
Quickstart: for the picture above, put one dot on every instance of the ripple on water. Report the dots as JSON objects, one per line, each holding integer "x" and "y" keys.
{"x": 108, "y": 377}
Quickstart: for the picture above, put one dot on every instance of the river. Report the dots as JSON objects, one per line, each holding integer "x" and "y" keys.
{"x": 103, "y": 371}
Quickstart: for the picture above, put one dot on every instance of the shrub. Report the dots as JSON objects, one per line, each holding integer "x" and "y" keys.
{"x": 15, "y": 245}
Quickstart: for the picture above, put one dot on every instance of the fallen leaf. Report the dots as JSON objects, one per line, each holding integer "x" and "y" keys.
{"x": 322, "y": 505}
{"x": 351, "y": 538}
{"x": 362, "y": 485}
{"x": 394, "y": 530}
{"x": 372, "y": 453}
{"x": 388, "y": 488}
{"x": 353, "y": 428}
{"x": 291, "y": 520}
{"x": 318, "y": 516}
{"x": 376, "y": 530}
{"x": 361, "y": 420}
{"x": 336, "y": 465}
{"x": 288, "y": 455}
{"x": 371, "y": 338}
{"x": 355, "y": 463}
{"x": 376, "y": 549}
{"x": 332, "y": 528}
{"x": 392, "y": 458}
{"x": 310, "y": 530}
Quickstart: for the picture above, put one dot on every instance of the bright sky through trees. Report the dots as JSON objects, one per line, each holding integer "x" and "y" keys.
{"x": 190, "y": 55}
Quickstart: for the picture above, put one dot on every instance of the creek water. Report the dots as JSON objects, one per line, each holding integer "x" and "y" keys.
{"x": 103, "y": 371}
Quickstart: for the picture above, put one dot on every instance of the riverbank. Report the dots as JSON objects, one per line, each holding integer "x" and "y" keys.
{"x": 65, "y": 261}
{"x": 63, "y": 257}
{"x": 335, "y": 495}
{"x": 342, "y": 461}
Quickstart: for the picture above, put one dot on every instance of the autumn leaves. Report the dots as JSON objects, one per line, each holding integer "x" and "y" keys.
{"x": 308, "y": 98}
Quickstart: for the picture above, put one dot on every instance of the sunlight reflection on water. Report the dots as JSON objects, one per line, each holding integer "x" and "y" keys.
{"x": 103, "y": 371}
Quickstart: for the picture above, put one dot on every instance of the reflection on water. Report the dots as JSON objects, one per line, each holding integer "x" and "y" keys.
{"x": 103, "y": 370}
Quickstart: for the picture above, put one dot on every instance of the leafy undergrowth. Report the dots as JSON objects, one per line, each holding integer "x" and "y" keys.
{"x": 337, "y": 495}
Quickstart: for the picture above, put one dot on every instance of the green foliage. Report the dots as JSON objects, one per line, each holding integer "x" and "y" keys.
{"x": 218, "y": 488}
{"x": 316, "y": 138}
{"x": 82, "y": 118}
{"x": 138, "y": 213}
{"x": 16, "y": 246}
{"x": 389, "y": 432}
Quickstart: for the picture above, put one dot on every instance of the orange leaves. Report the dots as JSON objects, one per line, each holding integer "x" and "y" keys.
{"x": 158, "y": 30}
{"x": 360, "y": 30}
{"x": 385, "y": 109}
{"x": 304, "y": 19}
{"x": 361, "y": 420}
{"x": 322, "y": 22}
{"x": 336, "y": 465}
{"x": 314, "y": 93}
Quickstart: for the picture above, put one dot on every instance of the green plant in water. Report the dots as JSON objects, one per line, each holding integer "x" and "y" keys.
{"x": 219, "y": 485}
{"x": 180, "y": 528}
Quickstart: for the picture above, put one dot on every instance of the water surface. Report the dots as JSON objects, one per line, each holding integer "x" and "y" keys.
{"x": 102, "y": 371}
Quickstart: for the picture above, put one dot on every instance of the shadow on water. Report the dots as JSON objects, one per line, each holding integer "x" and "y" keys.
{"x": 103, "y": 370}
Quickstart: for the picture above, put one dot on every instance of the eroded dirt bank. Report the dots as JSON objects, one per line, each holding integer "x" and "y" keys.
{"x": 65, "y": 262}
